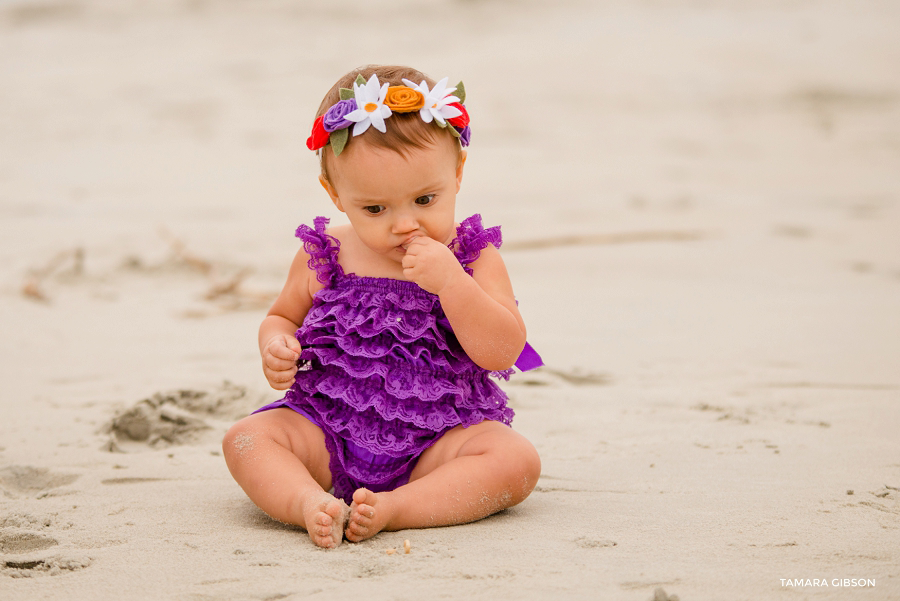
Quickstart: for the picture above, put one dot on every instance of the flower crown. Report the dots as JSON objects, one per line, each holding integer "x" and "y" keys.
{"x": 369, "y": 103}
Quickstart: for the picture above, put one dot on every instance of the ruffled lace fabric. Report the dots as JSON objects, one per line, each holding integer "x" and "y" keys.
{"x": 472, "y": 238}
{"x": 322, "y": 250}
{"x": 381, "y": 368}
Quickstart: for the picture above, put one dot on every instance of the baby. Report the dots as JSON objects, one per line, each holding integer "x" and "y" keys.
{"x": 386, "y": 333}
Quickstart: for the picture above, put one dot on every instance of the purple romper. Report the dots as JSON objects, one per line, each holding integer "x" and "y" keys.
{"x": 381, "y": 372}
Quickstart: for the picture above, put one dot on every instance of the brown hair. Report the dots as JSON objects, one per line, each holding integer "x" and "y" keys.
{"x": 404, "y": 130}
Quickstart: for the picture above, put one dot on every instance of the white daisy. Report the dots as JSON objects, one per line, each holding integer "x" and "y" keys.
{"x": 437, "y": 101}
{"x": 371, "y": 108}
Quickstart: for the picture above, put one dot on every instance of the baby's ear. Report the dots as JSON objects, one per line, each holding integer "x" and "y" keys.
{"x": 459, "y": 168}
{"x": 331, "y": 193}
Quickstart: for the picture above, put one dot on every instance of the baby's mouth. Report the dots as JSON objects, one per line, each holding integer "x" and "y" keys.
{"x": 408, "y": 241}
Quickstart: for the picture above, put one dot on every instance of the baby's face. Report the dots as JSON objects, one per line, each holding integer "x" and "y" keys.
{"x": 390, "y": 199}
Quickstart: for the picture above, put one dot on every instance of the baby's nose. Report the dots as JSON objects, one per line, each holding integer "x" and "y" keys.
{"x": 405, "y": 223}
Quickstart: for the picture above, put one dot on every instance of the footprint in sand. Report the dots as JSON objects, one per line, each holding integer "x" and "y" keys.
{"x": 25, "y": 480}
{"x": 19, "y": 541}
{"x": 177, "y": 417}
{"x": 46, "y": 566}
{"x": 21, "y": 546}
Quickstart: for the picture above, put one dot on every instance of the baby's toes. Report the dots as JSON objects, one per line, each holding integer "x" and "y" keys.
{"x": 363, "y": 515}
{"x": 365, "y": 519}
{"x": 355, "y": 530}
{"x": 364, "y": 496}
{"x": 321, "y": 529}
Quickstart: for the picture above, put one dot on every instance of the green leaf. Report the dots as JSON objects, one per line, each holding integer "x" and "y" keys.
{"x": 453, "y": 131}
{"x": 460, "y": 92}
{"x": 360, "y": 80}
{"x": 338, "y": 139}
{"x": 346, "y": 94}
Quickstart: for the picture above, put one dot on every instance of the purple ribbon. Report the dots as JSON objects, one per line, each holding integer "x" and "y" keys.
{"x": 528, "y": 359}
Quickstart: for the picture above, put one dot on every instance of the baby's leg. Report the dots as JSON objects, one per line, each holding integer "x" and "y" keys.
{"x": 468, "y": 474}
{"x": 280, "y": 460}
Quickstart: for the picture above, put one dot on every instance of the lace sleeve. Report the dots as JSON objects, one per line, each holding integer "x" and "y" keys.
{"x": 472, "y": 238}
{"x": 322, "y": 250}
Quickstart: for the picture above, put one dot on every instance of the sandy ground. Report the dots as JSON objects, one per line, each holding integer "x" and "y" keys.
{"x": 701, "y": 206}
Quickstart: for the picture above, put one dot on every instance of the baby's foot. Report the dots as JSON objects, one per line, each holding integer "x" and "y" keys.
{"x": 325, "y": 520}
{"x": 367, "y": 517}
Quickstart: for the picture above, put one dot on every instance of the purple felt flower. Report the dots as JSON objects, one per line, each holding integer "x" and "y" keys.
{"x": 334, "y": 117}
{"x": 465, "y": 134}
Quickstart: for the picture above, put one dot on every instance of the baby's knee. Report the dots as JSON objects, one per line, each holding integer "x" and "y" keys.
{"x": 523, "y": 467}
{"x": 529, "y": 467}
{"x": 240, "y": 440}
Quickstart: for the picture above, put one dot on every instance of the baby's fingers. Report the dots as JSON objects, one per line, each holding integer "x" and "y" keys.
{"x": 408, "y": 262}
{"x": 276, "y": 364}
{"x": 293, "y": 344}
{"x": 280, "y": 379}
{"x": 409, "y": 273}
{"x": 281, "y": 350}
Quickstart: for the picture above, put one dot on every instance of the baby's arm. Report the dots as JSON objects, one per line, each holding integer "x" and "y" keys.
{"x": 277, "y": 344}
{"x": 481, "y": 309}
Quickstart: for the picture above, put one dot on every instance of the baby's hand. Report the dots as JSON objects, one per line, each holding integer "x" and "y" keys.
{"x": 430, "y": 264}
{"x": 280, "y": 361}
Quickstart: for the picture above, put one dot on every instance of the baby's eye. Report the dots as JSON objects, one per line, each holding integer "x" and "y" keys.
{"x": 425, "y": 200}
{"x": 374, "y": 209}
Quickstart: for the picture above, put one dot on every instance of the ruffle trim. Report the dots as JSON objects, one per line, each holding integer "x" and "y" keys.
{"x": 336, "y": 350}
{"x": 403, "y": 397}
{"x": 365, "y": 411}
{"x": 368, "y": 321}
{"x": 472, "y": 238}
{"x": 322, "y": 250}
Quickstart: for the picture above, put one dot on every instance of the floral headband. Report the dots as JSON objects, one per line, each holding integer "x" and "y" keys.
{"x": 369, "y": 103}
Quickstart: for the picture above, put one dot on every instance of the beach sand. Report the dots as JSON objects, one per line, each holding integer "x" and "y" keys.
{"x": 700, "y": 203}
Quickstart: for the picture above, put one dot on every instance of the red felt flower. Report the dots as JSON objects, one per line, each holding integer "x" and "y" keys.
{"x": 463, "y": 120}
{"x": 319, "y": 137}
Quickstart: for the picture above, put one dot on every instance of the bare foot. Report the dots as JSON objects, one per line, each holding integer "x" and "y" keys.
{"x": 367, "y": 516}
{"x": 325, "y": 520}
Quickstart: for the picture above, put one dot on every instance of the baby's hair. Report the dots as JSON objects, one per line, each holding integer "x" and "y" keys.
{"x": 405, "y": 130}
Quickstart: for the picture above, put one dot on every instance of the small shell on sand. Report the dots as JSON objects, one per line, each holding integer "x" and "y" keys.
{"x": 391, "y": 551}
{"x": 406, "y": 546}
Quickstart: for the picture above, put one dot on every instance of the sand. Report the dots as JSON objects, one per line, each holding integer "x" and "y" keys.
{"x": 700, "y": 203}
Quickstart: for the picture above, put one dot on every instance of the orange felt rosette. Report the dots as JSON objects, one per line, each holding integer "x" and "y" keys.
{"x": 402, "y": 99}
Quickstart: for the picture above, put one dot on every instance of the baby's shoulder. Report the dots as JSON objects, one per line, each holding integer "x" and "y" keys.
{"x": 488, "y": 258}
{"x": 339, "y": 232}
